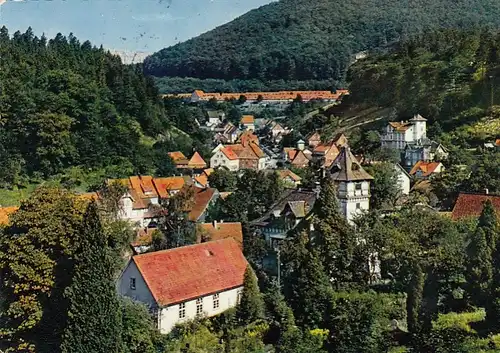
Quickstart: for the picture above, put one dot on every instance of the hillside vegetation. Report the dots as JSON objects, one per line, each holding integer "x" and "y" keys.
{"x": 66, "y": 105}
{"x": 306, "y": 40}
{"x": 451, "y": 77}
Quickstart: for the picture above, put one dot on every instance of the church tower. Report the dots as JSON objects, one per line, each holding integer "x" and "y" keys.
{"x": 353, "y": 184}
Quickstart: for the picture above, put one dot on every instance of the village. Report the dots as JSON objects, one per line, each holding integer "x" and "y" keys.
{"x": 206, "y": 278}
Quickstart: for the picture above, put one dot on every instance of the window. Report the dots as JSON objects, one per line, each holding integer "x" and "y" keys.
{"x": 358, "y": 186}
{"x": 216, "y": 301}
{"x": 238, "y": 298}
{"x": 199, "y": 306}
{"x": 358, "y": 206}
{"x": 132, "y": 283}
{"x": 182, "y": 310}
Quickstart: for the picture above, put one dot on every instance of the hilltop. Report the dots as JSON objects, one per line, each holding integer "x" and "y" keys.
{"x": 303, "y": 40}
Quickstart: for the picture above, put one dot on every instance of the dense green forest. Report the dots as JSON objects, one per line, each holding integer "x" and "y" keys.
{"x": 303, "y": 40}
{"x": 72, "y": 111}
{"x": 189, "y": 84}
{"x": 65, "y": 103}
{"x": 450, "y": 77}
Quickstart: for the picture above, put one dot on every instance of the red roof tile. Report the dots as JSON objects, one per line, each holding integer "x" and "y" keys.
{"x": 178, "y": 158}
{"x": 427, "y": 168}
{"x": 196, "y": 161}
{"x": 471, "y": 205}
{"x": 165, "y": 186}
{"x": 189, "y": 272}
{"x": 219, "y": 231}
{"x": 229, "y": 153}
{"x": 247, "y": 119}
{"x": 201, "y": 201}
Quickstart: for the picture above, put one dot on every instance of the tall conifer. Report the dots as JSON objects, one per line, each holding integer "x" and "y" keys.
{"x": 251, "y": 306}
{"x": 333, "y": 236}
{"x": 94, "y": 323}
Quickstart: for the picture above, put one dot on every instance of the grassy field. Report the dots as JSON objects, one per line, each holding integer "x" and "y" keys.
{"x": 14, "y": 197}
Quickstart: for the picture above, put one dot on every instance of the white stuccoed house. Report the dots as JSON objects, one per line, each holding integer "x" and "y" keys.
{"x": 182, "y": 283}
{"x": 353, "y": 184}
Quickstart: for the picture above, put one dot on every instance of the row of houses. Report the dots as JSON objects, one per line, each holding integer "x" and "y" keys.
{"x": 261, "y": 97}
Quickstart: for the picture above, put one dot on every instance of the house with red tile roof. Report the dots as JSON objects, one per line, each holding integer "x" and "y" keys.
{"x": 140, "y": 197}
{"x": 313, "y": 139}
{"x": 289, "y": 178}
{"x": 470, "y": 205}
{"x": 325, "y": 153}
{"x": 179, "y": 159}
{"x": 425, "y": 170}
{"x": 203, "y": 198}
{"x": 220, "y": 230}
{"x": 168, "y": 187}
{"x": 245, "y": 155}
{"x": 201, "y": 181}
{"x": 270, "y": 97}
{"x": 248, "y": 122}
{"x": 182, "y": 283}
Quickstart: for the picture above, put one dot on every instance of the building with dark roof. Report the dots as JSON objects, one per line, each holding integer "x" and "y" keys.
{"x": 353, "y": 184}
{"x": 285, "y": 215}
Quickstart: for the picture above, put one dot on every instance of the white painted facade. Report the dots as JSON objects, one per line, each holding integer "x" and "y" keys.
{"x": 171, "y": 315}
{"x": 397, "y": 139}
{"x": 394, "y": 139}
{"x": 134, "y": 215}
{"x": 219, "y": 159}
{"x": 132, "y": 285}
{"x": 354, "y": 198}
{"x": 404, "y": 180}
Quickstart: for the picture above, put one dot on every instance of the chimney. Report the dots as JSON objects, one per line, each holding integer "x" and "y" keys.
{"x": 486, "y": 191}
{"x": 221, "y": 221}
{"x": 214, "y": 224}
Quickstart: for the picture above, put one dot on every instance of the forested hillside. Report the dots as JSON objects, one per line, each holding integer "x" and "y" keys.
{"x": 64, "y": 103}
{"x": 303, "y": 40}
{"x": 450, "y": 77}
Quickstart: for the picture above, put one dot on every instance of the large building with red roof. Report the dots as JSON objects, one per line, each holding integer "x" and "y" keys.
{"x": 471, "y": 205}
{"x": 264, "y": 97}
{"x": 180, "y": 284}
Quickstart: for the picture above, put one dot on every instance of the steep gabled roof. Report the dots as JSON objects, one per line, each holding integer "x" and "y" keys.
{"x": 166, "y": 185}
{"x": 229, "y": 153}
{"x": 347, "y": 168}
{"x": 287, "y": 173}
{"x": 196, "y": 161}
{"x": 178, "y": 158}
{"x": 427, "y": 168}
{"x": 202, "y": 199}
{"x": 190, "y": 272}
{"x": 471, "y": 205}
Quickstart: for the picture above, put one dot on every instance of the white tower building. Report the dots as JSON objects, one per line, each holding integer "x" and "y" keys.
{"x": 419, "y": 127}
{"x": 353, "y": 184}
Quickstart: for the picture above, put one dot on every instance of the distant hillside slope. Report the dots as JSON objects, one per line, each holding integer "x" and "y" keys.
{"x": 450, "y": 77}
{"x": 297, "y": 39}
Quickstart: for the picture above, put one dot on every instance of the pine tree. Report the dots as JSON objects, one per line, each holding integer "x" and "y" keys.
{"x": 306, "y": 285}
{"x": 488, "y": 222}
{"x": 251, "y": 307}
{"x": 414, "y": 299}
{"x": 479, "y": 268}
{"x": 94, "y": 323}
{"x": 333, "y": 236}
